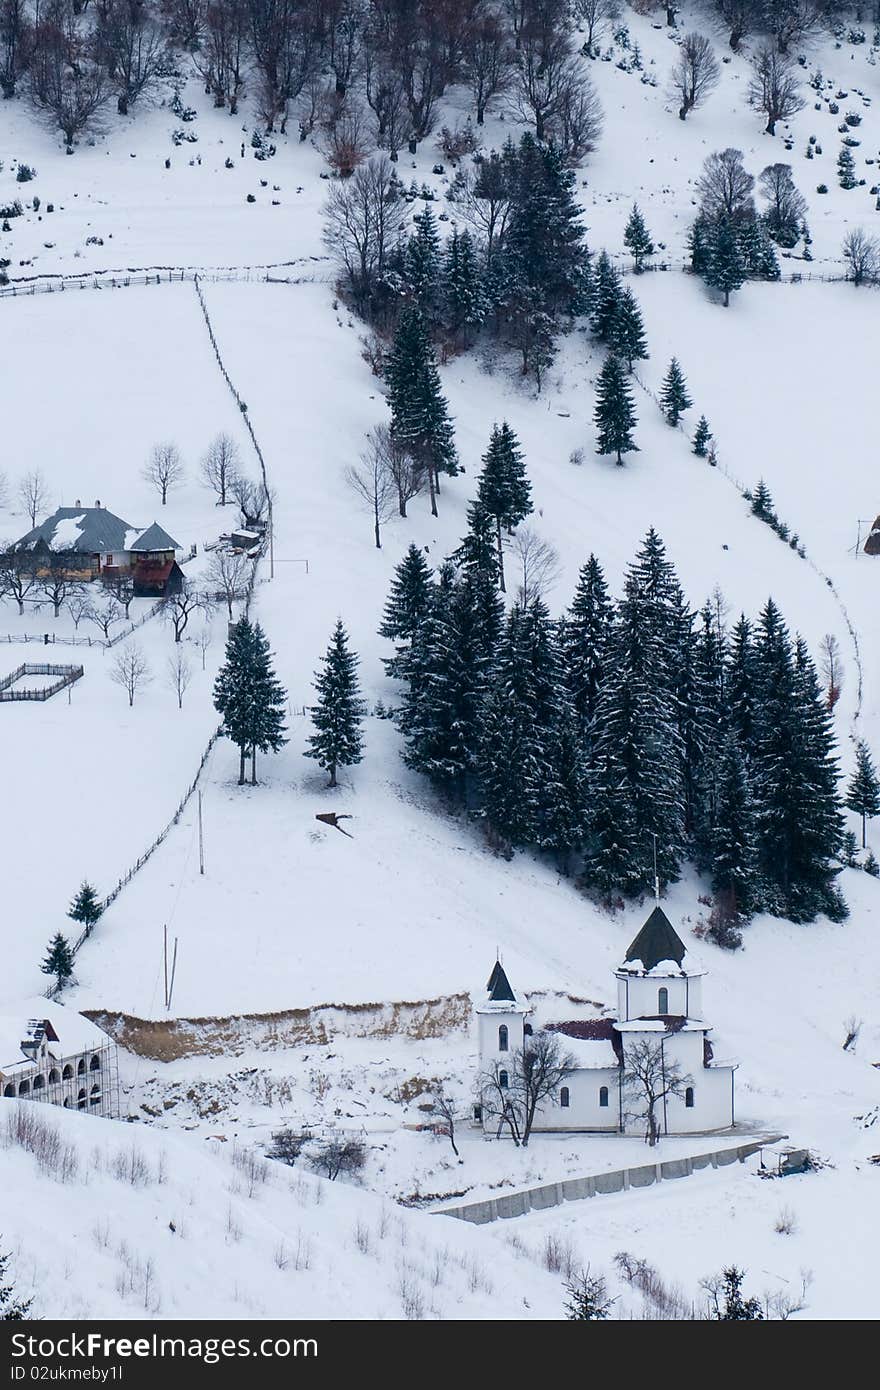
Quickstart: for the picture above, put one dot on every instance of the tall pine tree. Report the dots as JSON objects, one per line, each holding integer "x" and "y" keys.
{"x": 337, "y": 740}
{"x": 408, "y": 603}
{"x": 585, "y": 641}
{"x": 504, "y": 491}
{"x": 420, "y": 420}
{"x": 863, "y": 792}
{"x": 674, "y": 397}
{"x": 249, "y": 697}
{"x": 637, "y": 239}
{"x": 615, "y": 414}
{"x": 86, "y": 907}
{"x": 626, "y": 337}
{"x": 59, "y": 960}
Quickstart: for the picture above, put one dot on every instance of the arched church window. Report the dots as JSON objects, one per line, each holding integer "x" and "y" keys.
{"x": 564, "y": 1098}
{"x": 603, "y": 1096}
{"x": 502, "y": 1038}
{"x": 689, "y": 1097}
{"x": 24, "y": 1088}
{"x": 663, "y": 1001}
{"x": 9, "y": 1090}
{"x": 502, "y": 1080}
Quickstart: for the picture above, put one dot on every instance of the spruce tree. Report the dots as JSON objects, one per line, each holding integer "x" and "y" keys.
{"x": 447, "y": 671}
{"x": 504, "y": 491}
{"x": 408, "y": 603}
{"x": 637, "y": 784}
{"x": 702, "y": 435}
{"x": 544, "y": 232}
{"x": 673, "y": 394}
{"x": 337, "y": 740}
{"x": 724, "y": 270}
{"x": 615, "y": 414}
{"x": 585, "y": 641}
{"x": 12, "y": 1308}
{"x": 637, "y": 238}
{"x": 86, "y": 907}
{"x": 863, "y": 793}
{"x": 422, "y": 265}
{"x": 268, "y": 701}
{"x": 59, "y": 960}
{"x": 607, "y": 290}
{"x": 464, "y": 296}
{"x": 233, "y": 690}
{"x": 626, "y": 337}
{"x": 420, "y": 420}
{"x": 762, "y": 502}
{"x": 249, "y": 697}
{"x": 734, "y": 849}
{"x": 741, "y": 688}
{"x": 846, "y": 169}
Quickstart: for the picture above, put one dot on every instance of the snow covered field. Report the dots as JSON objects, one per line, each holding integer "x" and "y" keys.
{"x": 290, "y": 914}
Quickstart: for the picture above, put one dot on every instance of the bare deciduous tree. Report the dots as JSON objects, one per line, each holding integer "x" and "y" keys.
{"x": 164, "y": 469}
{"x": 131, "y": 670}
{"x": 79, "y": 606}
{"x": 370, "y": 479}
{"x": 179, "y": 673}
{"x": 121, "y": 586}
{"x": 228, "y": 573}
{"x": 57, "y": 582}
{"x": 538, "y": 562}
{"x": 105, "y": 613}
{"x": 364, "y": 216}
{"x": 221, "y": 466}
{"x": 725, "y": 187}
{"x": 576, "y": 122}
{"x": 33, "y": 493}
{"x": 65, "y": 84}
{"x": 347, "y": 145}
{"x": 4, "y": 489}
{"x": 862, "y": 255}
{"x": 202, "y": 640}
{"x": 785, "y": 205}
{"x": 177, "y": 609}
{"x": 18, "y": 574}
{"x": 695, "y": 73}
{"x": 252, "y": 499}
{"x": 445, "y": 1112}
{"x": 595, "y": 15}
{"x": 132, "y": 46}
{"x": 513, "y": 1092}
{"x": 648, "y": 1078}
{"x": 488, "y": 60}
{"x": 773, "y": 88}
{"x": 222, "y": 54}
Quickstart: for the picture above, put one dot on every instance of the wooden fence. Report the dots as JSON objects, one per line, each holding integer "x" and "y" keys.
{"x": 68, "y": 675}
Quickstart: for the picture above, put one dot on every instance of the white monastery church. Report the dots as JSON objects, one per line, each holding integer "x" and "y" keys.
{"x": 659, "y": 1003}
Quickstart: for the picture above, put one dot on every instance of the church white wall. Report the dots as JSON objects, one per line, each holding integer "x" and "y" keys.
{"x": 489, "y": 1043}
{"x": 639, "y": 995}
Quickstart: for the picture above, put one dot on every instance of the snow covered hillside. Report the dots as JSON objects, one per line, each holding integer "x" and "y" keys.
{"x": 407, "y": 913}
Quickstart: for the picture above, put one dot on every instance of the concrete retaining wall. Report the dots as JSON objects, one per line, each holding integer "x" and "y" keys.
{"x": 620, "y": 1180}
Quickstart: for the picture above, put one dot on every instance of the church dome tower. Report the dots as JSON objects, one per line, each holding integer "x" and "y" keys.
{"x": 501, "y": 1018}
{"x": 657, "y": 976}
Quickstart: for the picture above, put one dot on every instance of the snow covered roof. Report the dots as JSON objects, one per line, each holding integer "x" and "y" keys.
{"x": 154, "y": 538}
{"x": 91, "y": 530}
{"x": 498, "y": 986}
{"x": 500, "y": 995}
{"x": 665, "y": 1023}
{"x": 657, "y": 944}
{"x": 593, "y": 1041}
{"x": 67, "y": 1035}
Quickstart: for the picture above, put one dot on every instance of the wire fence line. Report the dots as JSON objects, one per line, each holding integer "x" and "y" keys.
{"x": 123, "y": 277}
{"x": 742, "y": 489}
{"x": 163, "y": 834}
{"x": 49, "y": 639}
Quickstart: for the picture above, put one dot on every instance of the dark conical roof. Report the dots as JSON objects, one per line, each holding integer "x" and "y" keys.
{"x": 658, "y": 940}
{"x": 499, "y": 985}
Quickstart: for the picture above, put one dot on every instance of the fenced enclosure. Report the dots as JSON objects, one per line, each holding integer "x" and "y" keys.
{"x": 67, "y": 675}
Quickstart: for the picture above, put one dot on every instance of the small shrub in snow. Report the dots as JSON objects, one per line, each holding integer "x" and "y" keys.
{"x": 588, "y": 1299}
{"x": 786, "y": 1222}
{"x": 25, "y": 173}
{"x": 558, "y": 1255}
{"x": 132, "y": 1167}
{"x": 287, "y": 1145}
{"x": 339, "y": 1154}
{"x": 871, "y": 866}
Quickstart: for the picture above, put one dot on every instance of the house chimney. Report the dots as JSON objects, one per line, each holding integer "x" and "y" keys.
{"x": 78, "y": 503}
{"x": 97, "y": 501}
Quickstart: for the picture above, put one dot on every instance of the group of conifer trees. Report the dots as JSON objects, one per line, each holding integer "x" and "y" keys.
{"x": 622, "y": 730}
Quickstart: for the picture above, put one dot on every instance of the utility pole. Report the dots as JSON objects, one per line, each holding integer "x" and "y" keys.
{"x": 201, "y": 837}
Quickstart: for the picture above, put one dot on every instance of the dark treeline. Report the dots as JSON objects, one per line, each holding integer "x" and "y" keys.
{"x": 620, "y": 727}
